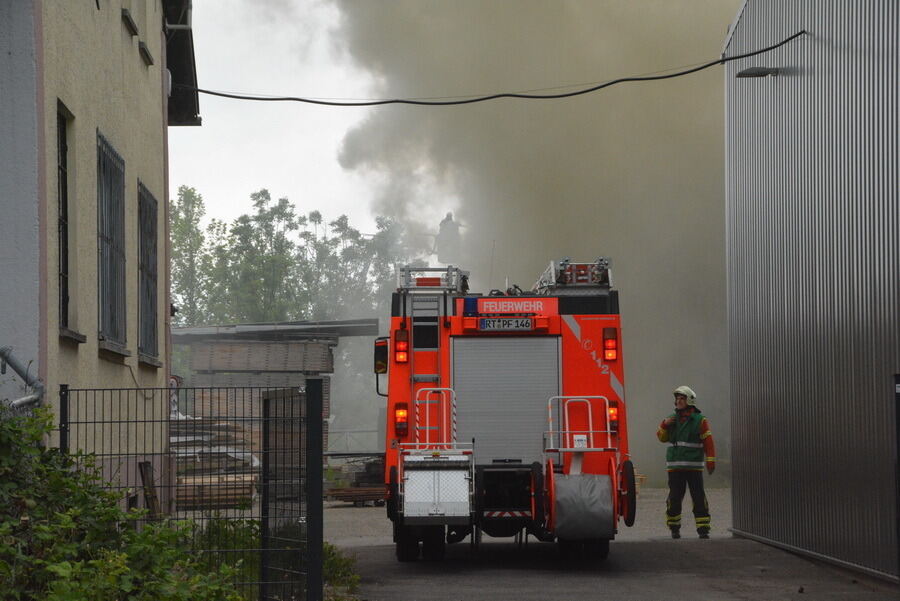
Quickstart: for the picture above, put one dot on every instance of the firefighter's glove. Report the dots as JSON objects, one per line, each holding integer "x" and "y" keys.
{"x": 710, "y": 467}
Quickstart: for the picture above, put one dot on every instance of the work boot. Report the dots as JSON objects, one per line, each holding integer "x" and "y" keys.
{"x": 676, "y": 532}
{"x": 703, "y": 532}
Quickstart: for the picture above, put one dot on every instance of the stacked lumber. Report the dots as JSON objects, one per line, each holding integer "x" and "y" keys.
{"x": 216, "y": 463}
{"x": 215, "y": 491}
{"x": 306, "y": 356}
{"x": 358, "y": 495}
{"x": 367, "y": 483}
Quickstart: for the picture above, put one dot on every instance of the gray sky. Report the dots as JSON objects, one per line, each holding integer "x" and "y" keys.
{"x": 289, "y": 148}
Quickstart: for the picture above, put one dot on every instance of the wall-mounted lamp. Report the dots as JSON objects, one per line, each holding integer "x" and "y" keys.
{"x": 757, "y": 72}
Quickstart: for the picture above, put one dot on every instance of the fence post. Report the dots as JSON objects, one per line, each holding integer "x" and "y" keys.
{"x": 897, "y": 459}
{"x": 314, "y": 534}
{"x": 264, "y": 515}
{"x": 64, "y": 417}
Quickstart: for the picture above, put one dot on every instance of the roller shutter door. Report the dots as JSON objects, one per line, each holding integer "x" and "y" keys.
{"x": 502, "y": 386}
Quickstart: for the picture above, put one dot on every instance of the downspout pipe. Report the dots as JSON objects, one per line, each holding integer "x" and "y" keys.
{"x": 31, "y": 380}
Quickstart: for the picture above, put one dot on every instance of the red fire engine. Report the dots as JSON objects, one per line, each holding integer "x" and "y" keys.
{"x": 506, "y": 412}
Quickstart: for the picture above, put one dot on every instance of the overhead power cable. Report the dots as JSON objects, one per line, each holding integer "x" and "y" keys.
{"x": 524, "y": 96}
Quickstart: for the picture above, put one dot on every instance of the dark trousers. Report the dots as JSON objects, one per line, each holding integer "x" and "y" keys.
{"x": 678, "y": 481}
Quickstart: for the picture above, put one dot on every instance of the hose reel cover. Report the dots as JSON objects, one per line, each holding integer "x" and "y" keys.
{"x": 584, "y": 507}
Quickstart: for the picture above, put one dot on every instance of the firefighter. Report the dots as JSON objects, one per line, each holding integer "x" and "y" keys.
{"x": 446, "y": 243}
{"x": 692, "y": 448}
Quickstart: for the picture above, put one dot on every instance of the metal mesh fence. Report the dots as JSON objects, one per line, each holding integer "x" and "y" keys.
{"x": 233, "y": 461}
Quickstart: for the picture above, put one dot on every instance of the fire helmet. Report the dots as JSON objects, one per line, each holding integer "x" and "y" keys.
{"x": 686, "y": 391}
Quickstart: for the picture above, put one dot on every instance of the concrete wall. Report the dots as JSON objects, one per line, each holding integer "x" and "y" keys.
{"x": 19, "y": 226}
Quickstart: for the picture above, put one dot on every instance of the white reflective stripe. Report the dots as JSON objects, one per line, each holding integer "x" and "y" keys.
{"x": 693, "y": 445}
{"x": 684, "y": 463}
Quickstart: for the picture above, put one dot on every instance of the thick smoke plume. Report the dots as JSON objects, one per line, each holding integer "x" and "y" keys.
{"x": 634, "y": 172}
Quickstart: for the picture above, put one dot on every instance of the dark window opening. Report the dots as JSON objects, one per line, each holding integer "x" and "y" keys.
{"x": 425, "y": 333}
{"x": 62, "y": 224}
{"x": 111, "y": 242}
{"x": 147, "y": 273}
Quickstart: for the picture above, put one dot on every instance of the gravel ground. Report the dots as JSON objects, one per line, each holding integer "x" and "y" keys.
{"x": 349, "y": 526}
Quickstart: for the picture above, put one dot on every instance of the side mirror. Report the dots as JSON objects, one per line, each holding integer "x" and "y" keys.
{"x": 381, "y": 355}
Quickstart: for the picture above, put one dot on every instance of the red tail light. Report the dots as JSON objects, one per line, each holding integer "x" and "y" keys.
{"x": 614, "y": 419}
{"x": 610, "y": 344}
{"x": 401, "y": 346}
{"x": 401, "y": 420}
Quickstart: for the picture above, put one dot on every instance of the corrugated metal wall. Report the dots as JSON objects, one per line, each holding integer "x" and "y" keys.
{"x": 813, "y": 219}
{"x": 503, "y": 385}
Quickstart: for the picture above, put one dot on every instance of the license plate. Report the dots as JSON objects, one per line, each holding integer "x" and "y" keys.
{"x": 506, "y": 323}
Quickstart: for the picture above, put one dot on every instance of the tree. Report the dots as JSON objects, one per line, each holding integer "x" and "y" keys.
{"x": 274, "y": 265}
{"x": 251, "y": 264}
{"x": 189, "y": 280}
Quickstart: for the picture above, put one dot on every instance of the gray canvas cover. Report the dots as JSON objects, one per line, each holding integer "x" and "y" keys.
{"x": 584, "y": 507}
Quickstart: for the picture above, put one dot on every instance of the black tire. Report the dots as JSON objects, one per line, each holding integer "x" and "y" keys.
{"x": 434, "y": 544}
{"x": 570, "y": 549}
{"x": 407, "y": 545}
{"x": 597, "y": 549}
{"x": 629, "y": 498}
{"x": 394, "y": 492}
{"x": 537, "y": 474}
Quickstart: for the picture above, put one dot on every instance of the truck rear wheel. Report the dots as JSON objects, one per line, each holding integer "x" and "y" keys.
{"x": 596, "y": 549}
{"x": 393, "y": 494}
{"x": 407, "y": 545}
{"x": 434, "y": 545}
{"x": 569, "y": 549}
{"x": 629, "y": 493}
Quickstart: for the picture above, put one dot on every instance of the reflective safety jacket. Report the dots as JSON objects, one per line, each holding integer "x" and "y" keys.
{"x": 691, "y": 441}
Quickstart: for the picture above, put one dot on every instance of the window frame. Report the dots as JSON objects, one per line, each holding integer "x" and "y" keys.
{"x": 148, "y": 276}
{"x": 62, "y": 221}
{"x": 112, "y": 305}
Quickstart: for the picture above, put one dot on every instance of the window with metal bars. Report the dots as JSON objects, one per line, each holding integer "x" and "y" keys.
{"x": 111, "y": 243}
{"x": 147, "y": 273}
{"x": 62, "y": 224}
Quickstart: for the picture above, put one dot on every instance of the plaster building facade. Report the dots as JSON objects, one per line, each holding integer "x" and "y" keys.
{"x": 87, "y": 91}
{"x": 813, "y": 240}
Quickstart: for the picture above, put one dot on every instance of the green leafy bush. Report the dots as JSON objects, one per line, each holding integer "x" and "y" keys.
{"x": 224, "y": 535}
{"x": 337, "y": 569}
{"x": 63, "y": 537}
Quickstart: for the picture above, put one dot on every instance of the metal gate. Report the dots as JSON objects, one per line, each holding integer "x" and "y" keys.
{"x": 502, "y": 386}
{"x": 243, "y": 464}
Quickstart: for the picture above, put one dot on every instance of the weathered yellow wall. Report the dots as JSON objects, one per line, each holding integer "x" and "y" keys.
{"x": 92, "y": 65}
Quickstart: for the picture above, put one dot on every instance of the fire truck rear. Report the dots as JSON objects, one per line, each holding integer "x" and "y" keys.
{"x": 506, "y": 412}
